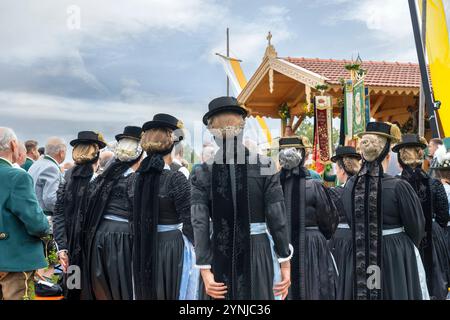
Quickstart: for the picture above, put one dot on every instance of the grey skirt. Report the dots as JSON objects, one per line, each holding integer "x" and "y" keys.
{"x": 261, "y": 268}
{"x": 111, "y": 271}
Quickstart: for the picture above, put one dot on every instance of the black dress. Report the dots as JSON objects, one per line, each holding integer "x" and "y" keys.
{"x": 341, "y": 246}
{"x": 320, "y": 221}
{"x": 400, "y": 279}
{"x": 110, "y": 254}
{"x": 441, "y": 257}
{"x": 68, "y": 215}
{"x": 174, "y": 210}
{"x": 248, "y": 189}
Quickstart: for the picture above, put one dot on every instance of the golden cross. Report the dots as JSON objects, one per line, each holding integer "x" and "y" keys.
{"x": 269, "y": 37}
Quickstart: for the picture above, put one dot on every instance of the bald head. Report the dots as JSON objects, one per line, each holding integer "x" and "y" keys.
{"x": 56, "y": 148}
{"x": 105, "y": 158}
{"x": 22, "y": 156}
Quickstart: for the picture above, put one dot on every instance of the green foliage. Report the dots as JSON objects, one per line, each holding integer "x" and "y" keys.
{"x": 321, "y": 87}
{"x": 284, "y": 111}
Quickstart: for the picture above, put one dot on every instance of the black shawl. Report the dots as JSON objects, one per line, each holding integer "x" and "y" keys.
{"x": 231, "y": 221}
{"x": 75, "y": 198}
{"x": 75, "y": 201}
{"x": 100, "y": 191}
{"x": 421, "y": 183}
{"x": 296, "y": 209}
{"x": 367, "y": 225}
{"x": 144, "y": 226}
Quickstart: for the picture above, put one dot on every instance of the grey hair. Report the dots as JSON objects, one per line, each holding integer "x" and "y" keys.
{"x": 6, "y": 136}
{"x": 54, "y": 146}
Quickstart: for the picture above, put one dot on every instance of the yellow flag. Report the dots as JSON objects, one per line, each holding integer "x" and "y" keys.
{"x": 438, "y": 52}
{"x": 237, "y": 78}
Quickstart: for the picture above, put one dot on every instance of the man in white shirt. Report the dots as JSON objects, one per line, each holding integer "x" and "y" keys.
{"x": 178, "y": 162}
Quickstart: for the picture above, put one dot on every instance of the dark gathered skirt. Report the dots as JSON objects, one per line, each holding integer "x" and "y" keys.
{"x": 111, "y": 270}
{"x": 440, "y": 263}
{"x": 169, "y": 265}
{"x": 400, "y": 276}
{"x": 320, "y": 271}
{"x": 262, "y": 270}
{"x": 341, "y": 246}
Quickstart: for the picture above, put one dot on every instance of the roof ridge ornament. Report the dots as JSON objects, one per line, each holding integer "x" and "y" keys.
{"x": 271, "y": 53}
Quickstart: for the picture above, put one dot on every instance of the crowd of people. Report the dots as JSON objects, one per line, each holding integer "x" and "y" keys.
{"x": 133, "y": 223}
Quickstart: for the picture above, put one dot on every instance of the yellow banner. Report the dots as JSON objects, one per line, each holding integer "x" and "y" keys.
{"x": 438, "y": 52}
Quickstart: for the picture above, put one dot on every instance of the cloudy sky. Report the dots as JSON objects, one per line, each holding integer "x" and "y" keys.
{"x": 121, "y": 63}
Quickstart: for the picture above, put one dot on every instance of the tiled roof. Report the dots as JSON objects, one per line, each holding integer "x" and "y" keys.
{"x": 379, "y": 73}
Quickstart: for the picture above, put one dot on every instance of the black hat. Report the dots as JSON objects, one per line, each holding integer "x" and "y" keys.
{"x": 130, "y": 132}
{"x": 410, "y": 140}
{"x": 163, "y": 120}
{"x": 384, "y": 129}
{"x": 345, "y": 151}
{"x": 89, "y": 137}
{"x": 223, "y": 104}
{"x": 293, "y": 142}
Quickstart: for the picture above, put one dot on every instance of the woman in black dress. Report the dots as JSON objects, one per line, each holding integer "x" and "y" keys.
{"x": 313, "y": 219}
{"x": 163, "y": 253}
{"x": 432, "y": 195}
{"x": 108, "y": 240}
{"x": 348, "y": 163}
{"x": 238, "y": 215}
{"x": 71, "y": 202}
{"x": 387, "y": 224}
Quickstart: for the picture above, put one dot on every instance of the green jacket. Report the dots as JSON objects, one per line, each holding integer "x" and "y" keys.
{"x": 22, "y": 222}
{"x": 27, "y": 164}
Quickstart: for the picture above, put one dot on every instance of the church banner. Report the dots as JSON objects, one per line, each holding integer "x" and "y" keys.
{"x": 366, "y": 90}
{"x": 324, "y": 117}
{"x": 348, "y": 110}
{"x": 359, "y": 108}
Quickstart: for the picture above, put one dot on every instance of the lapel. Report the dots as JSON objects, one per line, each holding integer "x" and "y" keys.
{"x": 52, "y": 160}
{"x": 5, "y": 162}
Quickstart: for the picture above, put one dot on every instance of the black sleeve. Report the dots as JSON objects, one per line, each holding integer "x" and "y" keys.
{"x": 440, "y": 203}
{"x": 410, "y": 211}
{"x": 327, "y": 215}
{"x": 276, "y": 217}
{"x": 336, "y": 196}
{"x": 59, "y": 229}
{"x": 180, "y": 192}
{"x": 200, "y": 213}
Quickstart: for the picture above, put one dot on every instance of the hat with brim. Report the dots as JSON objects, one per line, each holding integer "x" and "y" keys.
{"x": 130, "y": 132}
{"x": 345, "y": 151}
{"x": 163, "y": 120}
{"x": 89, "y": 137}
{"x": 409, "y": 141}
{"x": 223, "y": 104}
{"x": 383, "y": 129}
{"x": 297, "y": 142}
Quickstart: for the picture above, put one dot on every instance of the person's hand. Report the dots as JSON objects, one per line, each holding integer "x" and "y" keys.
{"x": 63, "y": 260}
{"x": 213, "y": 289}
{"x": 282, "y": 288}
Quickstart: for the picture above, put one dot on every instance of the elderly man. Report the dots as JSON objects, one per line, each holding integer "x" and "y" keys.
{"x": 22, "y": 223}
{"x": 32, "y": 153}
{"x": 22, "y": 156}
{"x": 47, "y": 175}
{"x": 105, "y": 158}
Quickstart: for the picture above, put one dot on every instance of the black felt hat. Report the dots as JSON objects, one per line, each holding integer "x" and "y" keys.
{"x": 410, "y": 140}
{"x": 293, "y": 142}
{"x": 384, "y": 129}
{"x": 223, "y": 104}
{"x": 345, "y": 151}
{"x": 163, "y": 120}
{"x": 131, "y": 132}
{"x": 89, "y": 137}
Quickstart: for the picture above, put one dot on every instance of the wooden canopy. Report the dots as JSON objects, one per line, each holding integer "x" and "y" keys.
{"x": 393, "y": 87}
